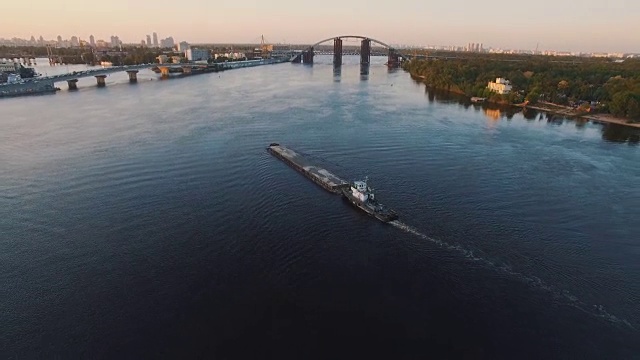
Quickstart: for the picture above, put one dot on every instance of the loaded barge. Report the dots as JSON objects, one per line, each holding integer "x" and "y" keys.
{"x": 320, "y": 176}
{"x": 357, "y": 193}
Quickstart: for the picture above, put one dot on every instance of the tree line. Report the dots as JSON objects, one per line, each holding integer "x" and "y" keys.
{"x": 590, "y": 84}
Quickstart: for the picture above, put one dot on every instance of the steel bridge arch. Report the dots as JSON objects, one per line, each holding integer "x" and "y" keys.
{"x": 352, "y": 37}
{"x": 358, "y": 37}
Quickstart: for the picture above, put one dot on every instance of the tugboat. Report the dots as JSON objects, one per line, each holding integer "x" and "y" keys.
{"x": 361, "y": 196}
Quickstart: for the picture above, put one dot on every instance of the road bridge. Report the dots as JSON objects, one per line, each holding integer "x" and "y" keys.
{"x": 101, "y": 74}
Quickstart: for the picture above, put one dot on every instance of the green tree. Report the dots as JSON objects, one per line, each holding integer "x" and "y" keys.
{"x": 633, "y": 109}
{"x": 619, "y": 103}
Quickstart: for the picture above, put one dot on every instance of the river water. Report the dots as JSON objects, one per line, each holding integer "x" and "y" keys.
{"x": 147, "y": 220}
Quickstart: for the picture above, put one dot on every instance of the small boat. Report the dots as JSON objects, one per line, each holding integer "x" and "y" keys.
{"x": 361, "y": 196}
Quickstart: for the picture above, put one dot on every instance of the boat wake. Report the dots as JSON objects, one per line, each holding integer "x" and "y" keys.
{"x": 561, "y": 295}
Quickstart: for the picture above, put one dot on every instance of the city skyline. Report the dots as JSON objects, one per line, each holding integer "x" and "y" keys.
{"x": 588, "y": 27}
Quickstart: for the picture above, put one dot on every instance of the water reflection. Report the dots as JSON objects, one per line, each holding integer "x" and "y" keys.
{"x": 494, "y": 112}
{"x": 530, "y": 114}
{"x": 337, "y": 73}
{"x": 364, "y": 69}
{"x": 620, "y": 134}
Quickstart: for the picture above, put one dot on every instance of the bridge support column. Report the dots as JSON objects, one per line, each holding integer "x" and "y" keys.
{"x": 365, "y": 56}
{"x": 73, "y": 84}
{"x": 394, "y": 59}
{"x": 337, "y": 52}
{"x": 164, "y": 71}
{"x": 186, "y": 70}
{"x": 307, "y": 56}
{"x": 133, "y": 76}
{"x": 365, "y": 52}
{"x": 100, "y": 80}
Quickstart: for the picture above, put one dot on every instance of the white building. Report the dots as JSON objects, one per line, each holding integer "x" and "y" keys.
{"x": 501, "y": 86}
{"x": 194, "y": 54}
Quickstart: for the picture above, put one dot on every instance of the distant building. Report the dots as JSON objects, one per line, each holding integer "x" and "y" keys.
{"x": 149, "y": 40}
{"x": 74, "y": 41}
{"x": 167, "y": 43}
{"x": 115, "y": 41}
{"x": 101, "y": 44}
{"x": 92, "y": 41}
{"x": 183, "y": 46}
{"x": 194, "y": 54}
{"x": 500, "y": 86}
{"x": 155, "y": 39}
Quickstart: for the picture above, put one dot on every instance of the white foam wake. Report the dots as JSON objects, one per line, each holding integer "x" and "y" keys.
{"x": 568, "y": 298}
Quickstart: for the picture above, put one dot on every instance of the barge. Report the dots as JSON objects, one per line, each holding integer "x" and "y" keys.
{"x": 320, "y": 176}
{"x": 358, "y": 193}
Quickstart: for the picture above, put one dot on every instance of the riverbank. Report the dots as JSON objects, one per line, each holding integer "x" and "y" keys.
{"x": 550, "y": 108}
{"x": 573, "y": 113}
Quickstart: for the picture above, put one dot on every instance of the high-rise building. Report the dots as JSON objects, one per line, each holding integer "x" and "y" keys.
{"x": 155, "y": 39}
{"x": 92, "y": 41}
{"x": 74, "y": 41}
{"x": 33, "y": 40}
{"x": 143, "y": 43}
{"x": 59, "y": 40}
{"x": 41, "y": 40}
{"x": 115, "y": 41}
{"x": 183, "y": 46}
{"x": 149, "y": 40}
{"x": 167, "y": 43}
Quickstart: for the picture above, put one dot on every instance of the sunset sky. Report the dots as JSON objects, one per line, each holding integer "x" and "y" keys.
{"x": 588, "y": 25}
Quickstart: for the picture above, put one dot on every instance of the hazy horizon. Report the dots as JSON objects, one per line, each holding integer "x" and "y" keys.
{"x": 590, "y": 26}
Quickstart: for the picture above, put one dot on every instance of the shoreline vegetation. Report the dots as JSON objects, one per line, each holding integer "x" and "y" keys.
{"x": 600, "y": 90}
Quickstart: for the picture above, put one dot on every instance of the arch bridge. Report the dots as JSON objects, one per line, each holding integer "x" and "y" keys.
{"x": 394, "y": 56}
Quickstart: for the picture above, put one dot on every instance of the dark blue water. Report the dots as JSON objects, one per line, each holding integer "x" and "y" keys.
{"x": 147, "y": 221}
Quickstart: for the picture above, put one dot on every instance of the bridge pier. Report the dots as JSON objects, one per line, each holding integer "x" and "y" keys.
{"x": 337, "y": 52}
{"x": 73, "y": 84}
{"x": 394, "y": 59}
{"x": 365, "y": 52}
{"x": 307, "y": 56}
{"x": 100, "y": 80}
{"x": 186, "y": 70}
{"x": 133, "y": 76}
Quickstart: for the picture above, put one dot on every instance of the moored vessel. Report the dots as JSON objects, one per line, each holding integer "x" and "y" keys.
{"x": 361, "y": 196}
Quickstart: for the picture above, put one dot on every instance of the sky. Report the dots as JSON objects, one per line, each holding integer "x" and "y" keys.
{"x": 569, "y": 25}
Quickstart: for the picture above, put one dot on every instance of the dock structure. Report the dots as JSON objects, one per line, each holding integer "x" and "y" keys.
{"x": 320, "y": 176}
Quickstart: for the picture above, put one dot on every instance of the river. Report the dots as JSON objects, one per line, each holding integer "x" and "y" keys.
{"x": 147, "y": 220}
